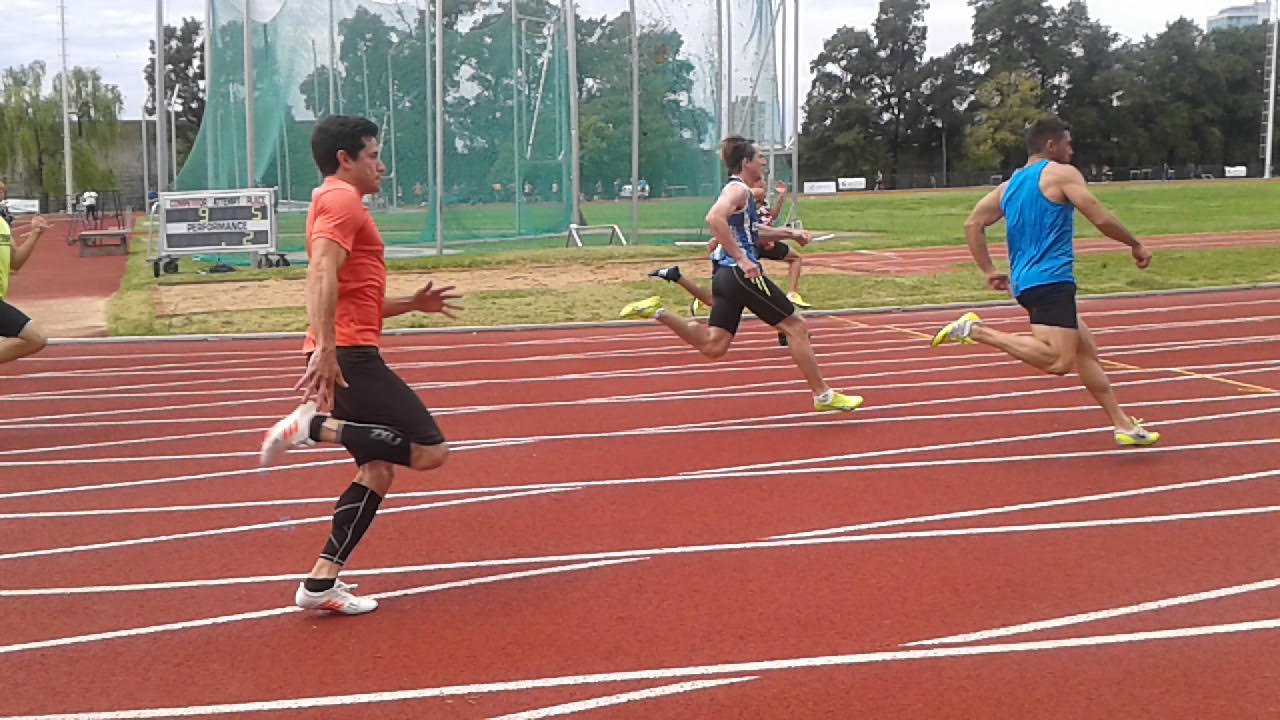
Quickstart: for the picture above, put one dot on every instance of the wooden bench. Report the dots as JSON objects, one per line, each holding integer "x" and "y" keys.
{"x": 104, "y": 242}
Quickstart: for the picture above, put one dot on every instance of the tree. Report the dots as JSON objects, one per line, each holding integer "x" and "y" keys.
{"x": 31, "y": 129}
{"x": 1007, "y": 103}
{"x": 185, "y": 76}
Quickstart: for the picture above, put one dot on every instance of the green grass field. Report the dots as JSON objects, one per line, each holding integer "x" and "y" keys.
{"x": 899, "y": 220}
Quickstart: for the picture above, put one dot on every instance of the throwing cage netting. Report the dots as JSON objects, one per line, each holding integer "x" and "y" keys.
{"x": 507, "y": 123}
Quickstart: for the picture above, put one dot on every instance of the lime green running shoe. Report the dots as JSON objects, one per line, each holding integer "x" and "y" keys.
{"x": 838, "y": 402}
{"x": 798, "y": 301}
{"x": 642, "y": 308}
{"x": 1139, "y": 435}
{"x": 957, "y": 331}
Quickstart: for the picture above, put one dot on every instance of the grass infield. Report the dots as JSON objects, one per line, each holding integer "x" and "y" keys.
{"x": 897, "y": 220}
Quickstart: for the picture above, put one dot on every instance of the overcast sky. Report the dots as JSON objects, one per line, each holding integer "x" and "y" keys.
{"x": 112, "y": 36}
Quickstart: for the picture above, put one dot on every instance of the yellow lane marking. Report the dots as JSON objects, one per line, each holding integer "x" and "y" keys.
{"x": 1202, "y": 376}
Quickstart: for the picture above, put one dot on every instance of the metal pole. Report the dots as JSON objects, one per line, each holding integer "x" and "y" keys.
{"x": 68, "y": 181}
{"x": 332, "y": 61}
{"x": 391, "y": 111}
{"x": 162, "y": 173}
{"x": 728, "y": 58}
{"x": 575, "y": 172}
{"x": 1271, "y": 98}
{"x": 439, "y": 77}
{"x": 315, "y": 76}
{"x": 208, "y": 86}
{"x": 635, "y": 125}
{"x": 146, "y": 163}
{"x": 251, "y": 149}
{"x": 515, "y": 112}
{"x": 781, "y": 130}
{"x": 795, "y": 109}
{"x": 364, "y": 64}
{"x": 288, "y": 166}
{"x": 719, "y": 88}
{"x": 173, "y": 146}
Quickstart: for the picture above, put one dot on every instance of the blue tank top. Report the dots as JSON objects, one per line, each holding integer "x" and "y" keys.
{"x": 743, "y": 227}
{"x": 1039, "y": 232}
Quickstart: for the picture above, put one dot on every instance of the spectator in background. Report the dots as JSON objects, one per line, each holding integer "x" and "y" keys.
{"x": 90, "y": 202}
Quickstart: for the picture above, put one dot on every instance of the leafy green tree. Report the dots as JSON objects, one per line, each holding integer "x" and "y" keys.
{"x": 31, "y": 129}
{"x": 1006, "y": 104}
{"x": 185, "y": 75}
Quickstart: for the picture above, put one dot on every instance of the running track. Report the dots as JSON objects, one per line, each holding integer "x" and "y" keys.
{"x": 627, "y": 531}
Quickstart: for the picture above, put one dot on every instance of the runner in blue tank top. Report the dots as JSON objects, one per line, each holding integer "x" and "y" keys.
{"x": 1038, "y": 204}
{"x": 739, "y": 282}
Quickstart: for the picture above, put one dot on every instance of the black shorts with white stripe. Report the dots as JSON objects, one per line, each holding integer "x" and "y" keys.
{"x": 732, "y": 292}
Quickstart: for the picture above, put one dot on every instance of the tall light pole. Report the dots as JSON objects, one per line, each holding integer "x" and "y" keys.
{"x": 250, "y": 171}
{"x": 1271, "y": 97}
{"x": 66, "y": 109}
{"x": 575, "y": 177}
{"x": 635, "y": 125}
{"x": 162, "y": 152}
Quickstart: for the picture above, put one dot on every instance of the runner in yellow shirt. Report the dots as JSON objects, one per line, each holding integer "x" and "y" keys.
{"x": 19, "y": 335}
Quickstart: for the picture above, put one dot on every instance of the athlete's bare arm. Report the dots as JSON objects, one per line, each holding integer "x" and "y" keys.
{"x": 732, "y": 199}
{"x": 773, "y": 234}
{"x": 1068, "y": 180}
{"x": 322, "y": 306}
{"x": 985, "y": 214}
{"x": 21, "y": 252}
{"x": 427, "y": 299}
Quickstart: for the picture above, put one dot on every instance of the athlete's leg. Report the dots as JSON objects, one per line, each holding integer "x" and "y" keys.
{"x": 30, "y": 340}
{"x": 797, "y": 333}
{"x": 1051, "y": 349}
{"x": 1095, "y": 380}
{"x": 793, "y": 260}
{"x": 709, "y": 340}
{"x": 703, "y": 294}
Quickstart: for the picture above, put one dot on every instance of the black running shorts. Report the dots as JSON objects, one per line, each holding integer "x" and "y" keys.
{"x": 1053, "y": 305}
{"x": 12, "y": 320}
{"x": 777, "y": 252}
{"x": 732, "y": 292}
{"x": 377, "y": 396}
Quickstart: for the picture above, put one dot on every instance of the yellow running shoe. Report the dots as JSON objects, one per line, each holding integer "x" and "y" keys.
{"x": 1138, "y": 436}
{"x": 642, "y": 308}
{"x": 798, "y": 301}
{"x": 840, "y": 402}
{"x": 694, "y": 306}
{"x": 957, "y": 331}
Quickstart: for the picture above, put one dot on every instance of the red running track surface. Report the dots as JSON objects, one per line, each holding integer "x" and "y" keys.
{"x": 626, "y": 530}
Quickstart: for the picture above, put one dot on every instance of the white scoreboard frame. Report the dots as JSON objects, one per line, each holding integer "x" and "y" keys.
{"x": 209, "y": 204}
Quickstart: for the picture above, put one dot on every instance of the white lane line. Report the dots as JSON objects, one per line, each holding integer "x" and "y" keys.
{"x": 1079, "y": 499}
{"x": 258, "y": 614}
{"x": 644, "y": 553}
{"x": 965, "y": 444}
{"x": 741, "y": 362}
{"x": 698, "y": 394}
{"x": 266, "y": 526}
{"x": 1087, "y": 617}
{"x": 167, "y": 480}
{"x": 719, "y": 370}
{"x": 462, "y": 491}
{"x": 736, "y": 668}
{"x": 621, "y": 698}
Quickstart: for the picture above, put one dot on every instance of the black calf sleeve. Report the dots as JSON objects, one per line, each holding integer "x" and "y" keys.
{"x": 351, "y": 517}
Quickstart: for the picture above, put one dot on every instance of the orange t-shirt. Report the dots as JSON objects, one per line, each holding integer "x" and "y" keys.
{"x": 337, "y": 214}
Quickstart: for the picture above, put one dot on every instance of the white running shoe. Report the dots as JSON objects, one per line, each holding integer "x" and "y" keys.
{"x": 336, "y": 599}
{"x": 294, "y": 430}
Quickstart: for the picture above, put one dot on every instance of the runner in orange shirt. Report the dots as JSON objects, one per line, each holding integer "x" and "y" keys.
{"x": 350, "y": 396}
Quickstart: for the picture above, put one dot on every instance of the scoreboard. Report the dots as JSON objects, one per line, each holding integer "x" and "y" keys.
{"x": 218, "y": 221}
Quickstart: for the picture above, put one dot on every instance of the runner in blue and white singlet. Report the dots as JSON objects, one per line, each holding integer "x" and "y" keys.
{"x": 738, "y": 281}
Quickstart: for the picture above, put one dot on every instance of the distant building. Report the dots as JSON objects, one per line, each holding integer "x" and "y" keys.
{"x": 1240, "y": 16}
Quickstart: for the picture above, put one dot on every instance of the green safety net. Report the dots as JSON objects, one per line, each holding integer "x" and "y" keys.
{"x": 506, "y": 120}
